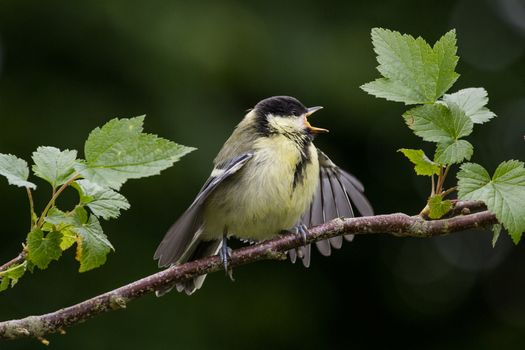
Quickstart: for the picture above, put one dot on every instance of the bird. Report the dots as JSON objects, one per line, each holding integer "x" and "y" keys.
{"x": 268, "y": 178}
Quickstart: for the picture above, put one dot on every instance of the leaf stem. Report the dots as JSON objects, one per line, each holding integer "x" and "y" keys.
{"x": 32, "y": 214}
{"x": 449, "y": 191}
{"x": 441, "y": 178}
{"x": 445, "y": 174}
{"x": 55, "y": 196}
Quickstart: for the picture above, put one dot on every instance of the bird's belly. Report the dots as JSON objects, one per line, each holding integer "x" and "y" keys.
{"x": 264, "y": 203}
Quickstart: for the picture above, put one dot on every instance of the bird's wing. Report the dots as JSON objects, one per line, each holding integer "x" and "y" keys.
{"x": 337, "y": 195}
{"x": 181, "y": 236}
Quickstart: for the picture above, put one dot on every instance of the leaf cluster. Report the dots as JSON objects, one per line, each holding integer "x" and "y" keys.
{"x": 416, "y": 73}
{"x": 114, "y": 153}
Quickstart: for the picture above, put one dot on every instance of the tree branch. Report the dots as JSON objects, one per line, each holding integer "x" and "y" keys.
{"x": 20, "y": 258}
{"x": 400, "y": 225}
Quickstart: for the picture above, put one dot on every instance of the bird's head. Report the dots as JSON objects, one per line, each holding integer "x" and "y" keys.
{"x": 285, "y": 115}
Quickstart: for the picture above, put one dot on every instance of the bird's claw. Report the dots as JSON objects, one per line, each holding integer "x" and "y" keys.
{"x": 301, "y": 230}
{"x": 225, "y": 254}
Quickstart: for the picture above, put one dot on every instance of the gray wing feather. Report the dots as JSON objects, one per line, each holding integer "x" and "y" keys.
{"x": 181, "y": 235}
{"x": 306, "y": 250}
{"x": 337, "y": 194}
{"x": 317, "y": 218}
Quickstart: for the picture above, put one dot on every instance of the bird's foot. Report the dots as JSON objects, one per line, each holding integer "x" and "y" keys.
{"x": 301, "y": 230}
{"x": 225, "y": 254}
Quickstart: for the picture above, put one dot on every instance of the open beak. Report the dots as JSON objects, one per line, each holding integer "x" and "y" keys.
{"x": 311, "y": 128}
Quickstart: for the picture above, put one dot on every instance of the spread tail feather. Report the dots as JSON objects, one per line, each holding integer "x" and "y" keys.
{"x": 199, "y": 249}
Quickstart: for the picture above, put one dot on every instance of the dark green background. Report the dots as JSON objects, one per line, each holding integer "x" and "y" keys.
{"x": 67, "y": 67}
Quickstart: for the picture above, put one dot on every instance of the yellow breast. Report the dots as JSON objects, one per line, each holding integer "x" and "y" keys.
{"x": 262, "y": 201}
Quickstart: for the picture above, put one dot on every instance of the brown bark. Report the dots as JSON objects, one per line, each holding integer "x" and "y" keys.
{"x": 400, "y": 225}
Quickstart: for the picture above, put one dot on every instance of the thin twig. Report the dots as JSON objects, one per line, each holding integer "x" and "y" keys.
{"x": 31, "y": 208}
{"x": 17, "y": 260}
{"x": 445, "y": 174}
{"x": 440, "y": 181}
{"x": 54, "y": 198}
{"x": 449, "y": 191}
{"x": 400, "y": 225}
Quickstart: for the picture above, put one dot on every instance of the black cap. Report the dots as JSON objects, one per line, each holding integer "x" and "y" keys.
{"x": 282, "y": 106}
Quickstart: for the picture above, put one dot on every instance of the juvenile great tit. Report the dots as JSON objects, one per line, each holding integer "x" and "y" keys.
{"x": 267, "y": 178}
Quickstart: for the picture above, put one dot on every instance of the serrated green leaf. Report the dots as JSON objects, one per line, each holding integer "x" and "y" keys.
{"x": 413, "y": 72}
{"x": 80, "y": 216}
{"x": 391, "y": 91}
{"x": 30, "y": 266}
{"x": 15, "y": 273}
{"x": 119, "y": 151}
{"x": 438, "y": 123}
{"x": 422, "y": 164}
{"x": 438, "y": 207}
{"x": 58, "y": 218}
{"x": 53, "y": 165}
{"x": 68, "y": 239}
{"x": 504, "y": 193}
{"x": 103, "y": 202}
{"x": 12, "y": 275}
{"x": 496, "y": 230}
{"x": 453, "y": 152}
{"x": 472, "y": 102}
{"x": 93, "y": 245}
{"x": 445, "y": 50}
{"x": 4, "y": 283}
{"x": 15, "y": 170}
{"x": 42, "y": 250}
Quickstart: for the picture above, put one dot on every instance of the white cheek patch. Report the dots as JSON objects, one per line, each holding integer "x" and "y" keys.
{"x": 286, "y": 124}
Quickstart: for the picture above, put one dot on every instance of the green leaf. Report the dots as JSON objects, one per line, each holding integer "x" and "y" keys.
{"x": 80, "y": 216}
{"x": 496, "y": 230}
{"x": 453, "y": 152}
{"x": 77, "y": 217}
{"x": 65, "y": 223}
{"x": 423, "y": 165}
{"x": 438, "y": 207}
{"x": 42, "y": 250}
{"x": 15, "y": 170}
{"x": 504, "y": 193}
{"x": 437, "y": 123}
{"x": 472, "y": 102}
{"x": 103, "y": 202}
{"x": 413, "y": 72}
{"x": 4, "y": 283}
{"x": 60, "y": 219}
{"x": 119, "y": 151}
{"x": 53, "y": 165}
{"x": 12, "y": 275}
{"x": 93, "y": 245}
{"x": 68, "y": 239}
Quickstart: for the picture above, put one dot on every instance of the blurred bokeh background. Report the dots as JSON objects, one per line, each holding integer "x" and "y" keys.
{"x": 194, "y": 68}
